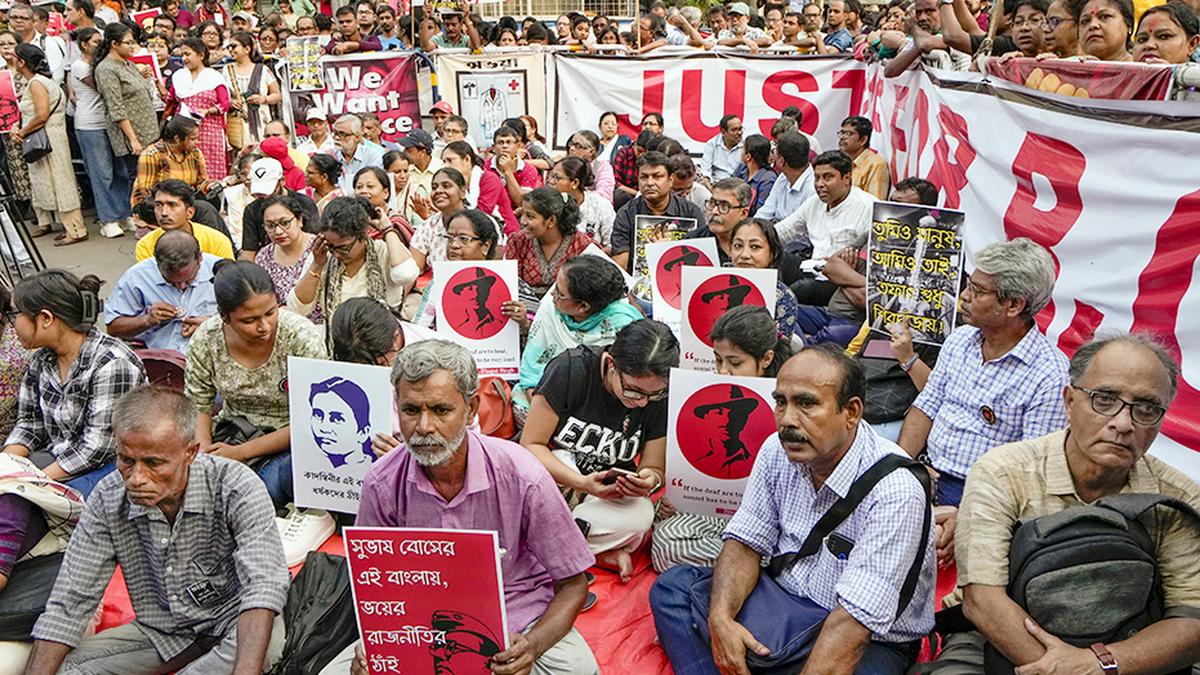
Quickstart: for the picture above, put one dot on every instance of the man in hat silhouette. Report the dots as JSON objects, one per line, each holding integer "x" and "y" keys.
{"x": 684, "y": 255}
{"x": 732, "y": 296}
{"x": 466, "y": 646}
{"x": 476, "y": 292}
{"x": 730, "y": 418}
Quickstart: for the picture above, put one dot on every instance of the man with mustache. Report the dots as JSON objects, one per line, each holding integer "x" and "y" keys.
{"x": 448, "y": 476}
{"x": 1120, "y": 388}
{"x": 195, "y": 536}
{"x": 822, "y": 447}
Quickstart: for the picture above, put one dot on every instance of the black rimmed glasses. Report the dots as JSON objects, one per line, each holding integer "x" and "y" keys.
{"x": 1143, "y": 413}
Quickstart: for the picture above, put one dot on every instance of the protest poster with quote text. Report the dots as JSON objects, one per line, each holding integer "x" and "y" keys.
{"x": 914, "y": 262}
{"x": 334, "y": 409}
{"x": 469, "y": 299}
{"x": 427, "y": 600}
{"x": 709, "y": 292}
{"x": 649, "y": 229}
{"x": 715, "y": 427}
{"x": 665, "y": 261}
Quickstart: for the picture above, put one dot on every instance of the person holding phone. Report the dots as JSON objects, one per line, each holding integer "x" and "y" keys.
{"x": 592, "y": 414}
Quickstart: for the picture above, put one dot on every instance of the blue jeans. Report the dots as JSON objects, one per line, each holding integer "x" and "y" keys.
{"x": 111, "y": 176}
{"x": 691, "y": 654}
{"x": 84, "y": 483}
{"x": 276, "y": 474}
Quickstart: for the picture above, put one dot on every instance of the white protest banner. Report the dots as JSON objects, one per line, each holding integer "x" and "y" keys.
{"x": 914, "y": 262}
{"x": 469, "y": 297}
{"x": 384, "y": 83}
{"x": 715, "y": 427}
{"x": 666, "y": 260}
{"x": 333, "y": 411}
{"x": 427, "y": 600}
{"x": 694, "y": 90}
{"x": 487, "y": 89}
{"x": 1102, "y": 184}
{"x": 708, "y": 292}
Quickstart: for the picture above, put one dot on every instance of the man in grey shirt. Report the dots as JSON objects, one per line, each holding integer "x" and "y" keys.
{"x": 196, "y": 539}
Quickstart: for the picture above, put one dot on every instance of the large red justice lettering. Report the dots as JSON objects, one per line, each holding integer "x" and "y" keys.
{"x": 775, "y": 98}
{"x": 949, "y": 177}
{"x": 652, "y": 101}
{"x": 690, "y": 98}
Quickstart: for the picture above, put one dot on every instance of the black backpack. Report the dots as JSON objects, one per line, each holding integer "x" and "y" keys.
{"x": 319, "y": 616}
{"x": 1088, "y": 574}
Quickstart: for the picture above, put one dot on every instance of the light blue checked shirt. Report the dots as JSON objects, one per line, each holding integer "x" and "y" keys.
{"x": 780, "y": 507}
{"x": 1022, "y": 389}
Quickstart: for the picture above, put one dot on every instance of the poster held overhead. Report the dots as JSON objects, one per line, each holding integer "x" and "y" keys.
{"x": 715, "y": 427}
{"x": 709, "y": 292}
{"x": 469, "y": 297}
{"x": 427, "y": 600}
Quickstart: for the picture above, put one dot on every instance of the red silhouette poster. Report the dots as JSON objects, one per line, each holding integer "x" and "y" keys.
{"x": 470, "y": 299}
{"x": 709, "y": 292}
{"x": 715, "y": 427}
{"x": 427, "y": 601}
{"x": 665, "y": 261}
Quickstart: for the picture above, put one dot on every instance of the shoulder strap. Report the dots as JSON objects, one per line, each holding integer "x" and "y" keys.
{"x": 843, "y": 507}
{"x": 1134, "y": 504}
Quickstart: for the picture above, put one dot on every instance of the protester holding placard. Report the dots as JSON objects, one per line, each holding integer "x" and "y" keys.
{"x": 595, "y": 411}
{"x": 204, "y": 95}
{"x": 471, "y": 235}
{"x": 747, "y": 343}
{"x": 550, "y": 236}
{"x": 573, "y": 176}
{"x": 655, "y": 198}
{"x": 586, "y": 307}
{"x": 448, "y": 476}
{"x": 241, "y": 357}
{"x": 347, "y": 263}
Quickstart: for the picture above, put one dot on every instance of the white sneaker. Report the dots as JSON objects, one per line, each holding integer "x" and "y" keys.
{"x": 303, "y": 530}
{"x": 111, "y": 230}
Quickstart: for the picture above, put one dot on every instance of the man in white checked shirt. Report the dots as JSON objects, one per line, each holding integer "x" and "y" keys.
{"x": 821, "y": 448}
{"x": 195, "y": 536}
{"x": 997, "y": 380}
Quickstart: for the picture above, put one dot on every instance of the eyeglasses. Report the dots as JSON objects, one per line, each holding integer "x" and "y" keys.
{"x": 1055, "y": 21}
{"x": 976, "y": 289}
{"x": 280, "y": 225}
{"x": 579, "y": 146}
{"x": 1143, "y": 413}
{"x": 461, "y": 239}
{"x": 636, "y": 394}
{"x": 1017, "y": 23}
{"x": 720, "y": 207}
{"x": 344, "y": 249}
{"x": 342, "y": 134}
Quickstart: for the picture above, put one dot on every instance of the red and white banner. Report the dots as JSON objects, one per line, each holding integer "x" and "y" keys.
{"x": 694, "y": 90}
{"x": 1106, "y": 186}
{"x": 384, "y": 83}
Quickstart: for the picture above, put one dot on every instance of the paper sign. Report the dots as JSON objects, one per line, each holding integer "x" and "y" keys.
{"x": 304, "y": 64}
{"x": 649, "y": 229}
{"x": 334, "y": 410}
{"x": 914, "y": 263}
{"x": 10, "y": 114}
{"x": 469, "y": 297}
{"x": 708, "y": 292}
{"x": 145, "y": 18}
{"x": 427, "y": 601}
{"x": 148, "y": 59}
{"x": 666, "y": 260}
{"x": 715, "y": 427}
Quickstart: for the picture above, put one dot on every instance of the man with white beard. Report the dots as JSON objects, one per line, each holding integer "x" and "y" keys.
{"x": 445, "y": 475}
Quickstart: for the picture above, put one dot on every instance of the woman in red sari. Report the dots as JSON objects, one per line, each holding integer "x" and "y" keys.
{"x": 204, "y": 95}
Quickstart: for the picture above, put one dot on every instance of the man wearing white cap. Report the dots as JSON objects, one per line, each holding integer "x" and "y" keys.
{"x": 266, "y": 180}
{"x": 319, "y": 138}
{"x": 740, "y": 32}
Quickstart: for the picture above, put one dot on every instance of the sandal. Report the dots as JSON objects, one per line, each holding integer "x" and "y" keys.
{"x": 67, "y": 241}
{"x": 41, "y": 231}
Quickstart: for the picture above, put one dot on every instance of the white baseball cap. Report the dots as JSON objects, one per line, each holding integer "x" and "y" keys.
{"x": 265, "y": 174}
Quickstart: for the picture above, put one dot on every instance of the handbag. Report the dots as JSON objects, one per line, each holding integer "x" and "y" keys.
{"x": 786, "y": 624}
{"x": 36, "y": 146}
{"x": 495, "y": 408}
{"x": 235, "y": 128}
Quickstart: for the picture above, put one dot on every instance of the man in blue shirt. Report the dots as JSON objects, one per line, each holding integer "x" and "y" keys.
{"x": 838, "y": 36}
{"x": 162, "y": 300}
{"x": 353, "y": 152}
{"x": 795, "y": 182}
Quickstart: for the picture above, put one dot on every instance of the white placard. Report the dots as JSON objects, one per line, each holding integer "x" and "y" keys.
{"x": 707, "y": 293}
{"x": 334, "y": 410}
{"x": 666, "y": 260}
{"x": 716, "y": 425}
{"x": 469, "y": 297}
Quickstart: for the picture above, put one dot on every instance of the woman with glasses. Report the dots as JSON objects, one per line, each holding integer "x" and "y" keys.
{"x": 213, "y": 36}
{"x": 255, "y": 89}
{"x": 470, "y": 235}
{"x": 289, "y": 252}
{"x": 204, "y": 94}
{"x": 485, "y": 189}
{"x": 586, "y": 145}
{"x": 322, "y": 176}
{"x": 572, "y": 176}
{"x": 347, "y": 263}
{"x": 756, "y": 245}
{"x": 598, "y": 422}
{"x": 1062, "y": 35}
{"x": 374, "y": 184}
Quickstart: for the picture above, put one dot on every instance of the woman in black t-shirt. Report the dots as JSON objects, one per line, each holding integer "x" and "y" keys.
{"x": 593, "y": 413}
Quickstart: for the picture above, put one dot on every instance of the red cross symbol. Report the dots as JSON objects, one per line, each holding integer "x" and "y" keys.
{"x": 513, "y": 84}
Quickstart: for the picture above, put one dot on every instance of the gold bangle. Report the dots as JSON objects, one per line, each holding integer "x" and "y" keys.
{"x": 314, "y": 274}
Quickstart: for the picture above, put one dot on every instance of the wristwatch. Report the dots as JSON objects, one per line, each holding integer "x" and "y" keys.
{"x": 1108, "y": 663}
{"x": 908, "y": 364}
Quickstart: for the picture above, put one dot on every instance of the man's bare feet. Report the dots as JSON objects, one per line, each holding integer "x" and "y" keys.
{"x": 618, "y": 561}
